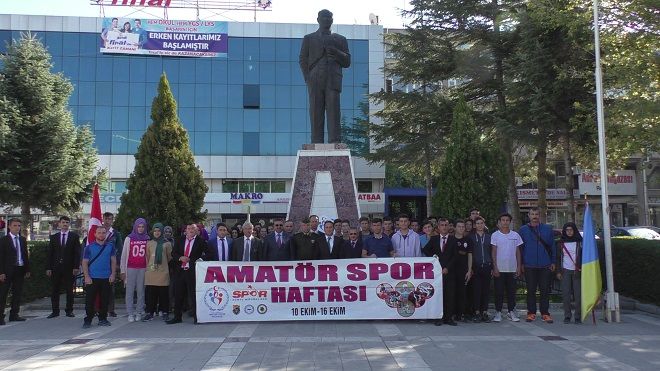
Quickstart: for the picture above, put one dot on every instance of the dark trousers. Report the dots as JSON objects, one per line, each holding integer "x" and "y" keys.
{"x": 157, "y": 298}
{"x": 448, "y": 294}
{"x": 13, "y": 281}
{"x": 538, "y": 278}
{"x": 100, "y": 287}
{"x": 184, "y": 290}
{"x": 459, "y": 279}
{"x": 505, "y": 282}
{"x": 323, "y": 99}
{"x": 481, "y": 287}
{"x": 62, "y": 278}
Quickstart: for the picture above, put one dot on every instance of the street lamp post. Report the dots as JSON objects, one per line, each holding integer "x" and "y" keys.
{"x": 612, "y": 297}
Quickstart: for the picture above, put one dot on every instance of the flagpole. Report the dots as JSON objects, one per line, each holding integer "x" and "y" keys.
{"x": 612, "y": 296}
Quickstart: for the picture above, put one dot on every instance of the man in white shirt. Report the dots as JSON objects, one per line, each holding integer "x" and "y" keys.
{"x": 506, "y": 266}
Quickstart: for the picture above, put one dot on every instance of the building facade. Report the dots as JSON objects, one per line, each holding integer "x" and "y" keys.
{"x": 246, "y": 114}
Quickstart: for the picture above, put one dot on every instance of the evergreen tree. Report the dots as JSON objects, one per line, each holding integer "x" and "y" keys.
{"x": 471, "y": 172}
{"x": 165, "y": 186}
{"x": 48, "y": 162}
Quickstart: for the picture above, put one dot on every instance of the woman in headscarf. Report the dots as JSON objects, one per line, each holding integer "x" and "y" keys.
{"x": 133, "y": 266}
{"x": 157, "y": 277}
{"x": 570, "y": 257}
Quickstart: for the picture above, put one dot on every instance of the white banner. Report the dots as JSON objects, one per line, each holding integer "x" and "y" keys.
{"x": 343, "y": 289}
{"x": 622, "y": 183}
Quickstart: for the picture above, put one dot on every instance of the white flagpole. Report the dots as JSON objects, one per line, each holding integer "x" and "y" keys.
{"x": 612, "y": 296}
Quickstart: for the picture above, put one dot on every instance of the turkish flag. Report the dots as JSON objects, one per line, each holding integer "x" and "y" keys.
{"x": 95, "y": 216}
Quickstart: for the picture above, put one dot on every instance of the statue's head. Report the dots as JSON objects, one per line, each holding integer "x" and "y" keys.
{"x": 325, "y": 19}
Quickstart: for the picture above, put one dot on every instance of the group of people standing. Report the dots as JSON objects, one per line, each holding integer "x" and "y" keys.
{"x": 157, "y": 268}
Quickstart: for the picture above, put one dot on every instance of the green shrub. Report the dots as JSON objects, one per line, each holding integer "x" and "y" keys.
{"x": 635, "y": 264}
{"x": 38, "y": 285}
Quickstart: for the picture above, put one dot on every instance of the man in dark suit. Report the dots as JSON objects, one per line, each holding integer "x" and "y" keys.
{"x": 333, "y": 243}
{"x": 14, "y": 267}
{"x": 62, "y": 265}
{"x": 444, "y": 247}
{"x": 276, "y": 244}
{"x": 247, "y": 248}
{"x": 322, "y": 57}
{"x": 351, "y": 248}
{"x": 187, "y": 250}
{"x": 219, "y": 248}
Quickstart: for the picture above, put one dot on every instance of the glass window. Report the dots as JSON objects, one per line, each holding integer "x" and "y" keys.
{"x": 187, "y": 70}
{"x": 219, "y": 95}
{"x": 283, "y": 50}
{"x": 235, "y": 118}
{"x": 88, "y": 69}
{"x": 70, "y": 67}
{"x": 103, "y": 68}
{"x": 219, "y": 71}
{"x": 86, "y": 93}
{"x": 171, "y": 68}
{"x": 86, "y": 115}
{"x": 120, "y": 93}
{"x": 218, "y": 143}
{"x": 229, "y": 186}
{"x": 262, "y": 186}
{"x": 251, "y": 72}
{"x": 267, "y": 96}
{"x": 186, "y": 96}
{"x": 267, "y": 120}
{"x": 73, "y": 98}
{"x": 103, "y": 118}
{"x": 90, "y": 43}
{"x": 121, "y": 68}
{"x": 365, "y": 186}
{"x": 103, "y": 141}
{"x": 71, "y": 48}
{"x": 235, "y": 48}
{"x": 117, "y": 186}
{"x": 5, "y": 38}
{"x": 250, "y": 144}
{"x": 267, "y": 49}
{"x": 277, "y": 186}
{"x": 299, "y": 97}
{"x": 283, "y": 73}
{"x": 299, "y": 121}
{"x": 267, "y": 73}
{"x": 283, "y": 144}
{"x": 150, "y": 91}
{"x": 203, "y": 95}
{"x": 235, "y": 96}
{"x": 202, "y": 143}
{"x": 346, "y": 98}
{"x": 154, "y": 70}
{"x": 134, "y": 139}
{"x": 219, "y": 120}
{"x": 202, "y": 119}
{"x": 251, "y": 49}
{"x": 282, "y": 96}
{"x": 203, "y": 70}
{"x": 266, "y": 143}
{"x": 360, "y": 51}
{"x": 119, "y": 142}
{"x": 251, "y": 120}
{"x": 234, "y": 143}
{"x": 251, "y": 96}
{"x": 246, "y": 186}
{"x": 119, "y": 118}
{"x": 283, "y": 120}
{"x": 295, "y": 49}
{"x": 137, "y": 94}
{"x": 56, "y": 61}
{"x": 187, "y": 116}
{"x": 104, "y": 93}
{"x": 235, "y": 72}
{"x": 138, "y": 69}
{"x": 297, "y": 140}
{"x": 136, "y": 118}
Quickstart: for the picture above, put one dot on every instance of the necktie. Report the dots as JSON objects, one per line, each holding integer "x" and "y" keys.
{"x": 329, "y": 244}
{"x": 63, "y": 239}
{"x": 222, "y": 243}
{"x": 442, "y": 246}
{"x": 353, "y": 244}
{"x": 246, "y": 250}
{"x": 17, "y": 246}
{"x": 187, "y": 254}
{"x": 279, "y": 240}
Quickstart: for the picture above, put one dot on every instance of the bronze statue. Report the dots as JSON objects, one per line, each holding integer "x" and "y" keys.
{"x": 322, "y": 56}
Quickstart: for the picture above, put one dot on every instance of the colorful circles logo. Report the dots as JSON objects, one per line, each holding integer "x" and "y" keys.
{"x": 405, "y": 297}
{"x": 216, "y": 298}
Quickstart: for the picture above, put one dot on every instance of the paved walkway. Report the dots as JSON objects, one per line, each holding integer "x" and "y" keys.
{"x": 62, "y": 344}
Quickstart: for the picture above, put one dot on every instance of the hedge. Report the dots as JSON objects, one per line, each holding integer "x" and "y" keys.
{"x": 636, "y": 265}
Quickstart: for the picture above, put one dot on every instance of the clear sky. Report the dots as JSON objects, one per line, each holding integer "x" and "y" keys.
{"x": 283, "y": 11}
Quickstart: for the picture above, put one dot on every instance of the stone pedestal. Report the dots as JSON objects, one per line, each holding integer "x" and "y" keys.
{"x": 324, "y": 184}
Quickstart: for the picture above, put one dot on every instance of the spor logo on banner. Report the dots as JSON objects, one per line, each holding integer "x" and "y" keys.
{"x": 405, "y": 297}
{"x": 216, "y": 298}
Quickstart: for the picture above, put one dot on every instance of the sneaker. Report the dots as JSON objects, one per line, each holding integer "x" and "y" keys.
{"x": 131, "y": 318}
{"x": 104, "y": 322}
{"x": 531, "y": 317}
{"x": 567, "y": 320}
{"x": 498, "y": 317}
{"x": 148, "y": 317}
{"x": 485, "y": 317}
{"x": 512, "y": 316}
{"x": 547, "y": 318}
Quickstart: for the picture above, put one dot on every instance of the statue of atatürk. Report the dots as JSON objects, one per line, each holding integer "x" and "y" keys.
{"x": 322, "y": 56}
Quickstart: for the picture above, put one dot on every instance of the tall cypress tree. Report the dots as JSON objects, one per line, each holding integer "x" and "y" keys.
{"x": 165, "y": 186}
{"x": 47, "y": 161}
{"x": 471, "y": 173}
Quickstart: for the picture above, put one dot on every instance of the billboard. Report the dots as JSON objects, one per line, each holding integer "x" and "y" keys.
{"x": 164, "y": 37}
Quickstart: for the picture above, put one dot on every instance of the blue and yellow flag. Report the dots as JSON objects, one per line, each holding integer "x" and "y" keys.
{"x": 590, "y": 275}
